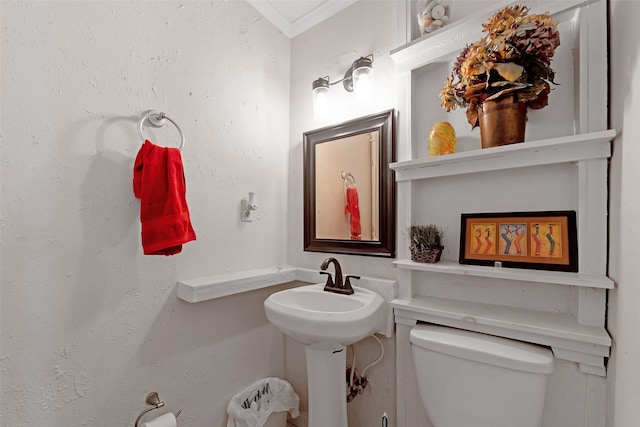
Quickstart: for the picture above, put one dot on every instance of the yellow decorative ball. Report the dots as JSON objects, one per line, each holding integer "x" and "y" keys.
{"x": 442, "y": 139}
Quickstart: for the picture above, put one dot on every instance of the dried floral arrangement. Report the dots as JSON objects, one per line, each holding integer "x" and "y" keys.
{"x": 514, "y": 58}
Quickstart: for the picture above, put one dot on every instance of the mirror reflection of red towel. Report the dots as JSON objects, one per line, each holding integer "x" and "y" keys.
{"x": 158, "y": 181}
{"x": 354, "y": 209}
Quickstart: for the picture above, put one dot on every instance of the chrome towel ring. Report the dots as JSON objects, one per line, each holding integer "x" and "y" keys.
{"x": 158, "y": 119}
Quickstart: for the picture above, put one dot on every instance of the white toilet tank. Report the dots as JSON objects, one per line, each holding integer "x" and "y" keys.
{"x": 469, "y": 379}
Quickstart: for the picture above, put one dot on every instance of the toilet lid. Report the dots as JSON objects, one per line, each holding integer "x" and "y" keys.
{"x": 483, "y": 348}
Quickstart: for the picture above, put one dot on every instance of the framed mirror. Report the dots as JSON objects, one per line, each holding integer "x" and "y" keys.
{"x": 349, "y": 190}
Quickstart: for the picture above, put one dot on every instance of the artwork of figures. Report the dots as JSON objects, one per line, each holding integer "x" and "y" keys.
{"x": 546, "y": 239}
{"x": 485, "y": 238}
{"x": 511, "y": 236}
{"x": 537, "y": 240}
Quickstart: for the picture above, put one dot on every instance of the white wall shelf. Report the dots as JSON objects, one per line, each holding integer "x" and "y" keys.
{"x": 516, "y": 274}
{"x": 568, "y": 338}
{"x": 541, "y": 323}
{"x": 221, "y": 285}
{"x": 440, "y": 45}
{"x": 592, "y": 145}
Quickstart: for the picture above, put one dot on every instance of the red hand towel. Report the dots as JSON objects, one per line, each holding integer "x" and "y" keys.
{"x": 353, "y": 208}
{"x": 158, "y": 181}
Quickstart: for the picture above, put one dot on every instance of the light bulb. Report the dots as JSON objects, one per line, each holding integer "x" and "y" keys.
{"x": 363, "y": 79}
{"x": 321, "y": 98}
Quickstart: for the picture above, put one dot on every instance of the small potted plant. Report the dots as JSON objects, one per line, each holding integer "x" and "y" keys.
{"x": 507, "y": 70}
{"x": 425, "y": 242}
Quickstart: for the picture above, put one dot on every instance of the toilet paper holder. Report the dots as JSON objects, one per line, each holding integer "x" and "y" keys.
{"x": 154, "y": 400}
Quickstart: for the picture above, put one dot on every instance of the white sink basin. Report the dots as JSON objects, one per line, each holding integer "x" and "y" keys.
{"x": 311, "y": 315}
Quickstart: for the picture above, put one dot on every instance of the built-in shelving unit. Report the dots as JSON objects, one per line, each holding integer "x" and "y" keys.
{"x": 567, "y": 147}
{"x": 578, "y": 336}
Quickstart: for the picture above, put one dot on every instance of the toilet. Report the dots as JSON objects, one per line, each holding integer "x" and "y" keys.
{"x": 471, "y": 379}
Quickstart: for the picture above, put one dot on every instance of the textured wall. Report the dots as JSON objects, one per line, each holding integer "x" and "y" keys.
{"x": 89, "y": 324}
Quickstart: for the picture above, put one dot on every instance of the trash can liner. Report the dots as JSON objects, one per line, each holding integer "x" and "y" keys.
{"x": 253, "y": 405}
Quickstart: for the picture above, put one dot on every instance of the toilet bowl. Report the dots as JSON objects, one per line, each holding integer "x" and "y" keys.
{"x": 472, "y": 379}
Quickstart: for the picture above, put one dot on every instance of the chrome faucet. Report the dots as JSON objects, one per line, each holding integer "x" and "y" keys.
{"x": 336, "y": 285}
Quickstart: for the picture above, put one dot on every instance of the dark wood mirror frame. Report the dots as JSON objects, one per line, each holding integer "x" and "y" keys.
{"x": 384, "y": 123}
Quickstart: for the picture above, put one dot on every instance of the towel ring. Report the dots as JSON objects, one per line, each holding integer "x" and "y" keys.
{"x": 157, "y": 119}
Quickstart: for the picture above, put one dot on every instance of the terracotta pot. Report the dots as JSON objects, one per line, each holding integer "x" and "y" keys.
{"x": 502, "y": 122}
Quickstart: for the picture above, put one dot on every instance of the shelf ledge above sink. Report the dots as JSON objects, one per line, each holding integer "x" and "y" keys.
{"x": 222, "y": 285}
{"x": 226, "y": 284}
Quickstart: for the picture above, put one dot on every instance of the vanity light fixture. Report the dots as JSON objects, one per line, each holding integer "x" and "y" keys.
{"x": 248, "y": 206}
{"x": 356, "y": 79}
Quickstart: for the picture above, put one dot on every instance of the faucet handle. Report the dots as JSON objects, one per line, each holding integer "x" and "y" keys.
{"x": 347, "y": 283}
{"x": 329, "y": 283}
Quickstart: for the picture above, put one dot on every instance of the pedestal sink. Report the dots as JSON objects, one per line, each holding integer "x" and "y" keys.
{"x": 325, "y": 323}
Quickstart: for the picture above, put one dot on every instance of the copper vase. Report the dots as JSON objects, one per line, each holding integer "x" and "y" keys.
{"x": 502, "y": 122}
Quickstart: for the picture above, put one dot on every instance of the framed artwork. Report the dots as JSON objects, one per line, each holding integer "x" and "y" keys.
{"x": 537, "y": 240}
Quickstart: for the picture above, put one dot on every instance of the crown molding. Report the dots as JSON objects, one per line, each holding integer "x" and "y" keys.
{"x": 301, "y": 24}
